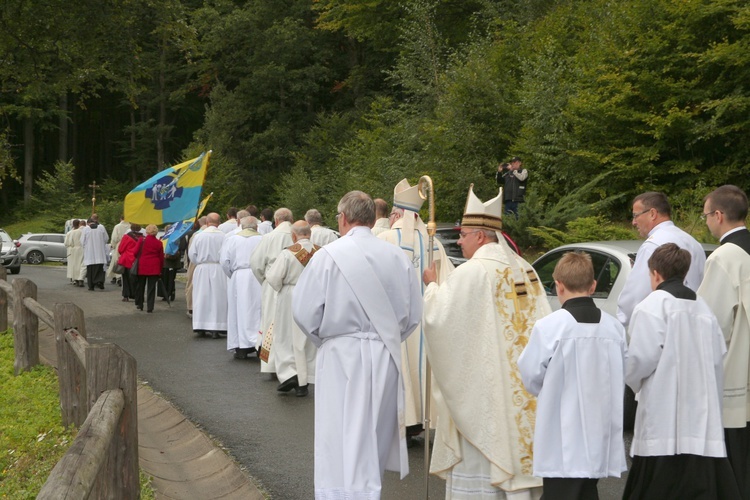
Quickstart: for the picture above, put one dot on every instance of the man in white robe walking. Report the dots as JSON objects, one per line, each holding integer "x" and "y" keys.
{"x": 75, "y": 253}
{"x": 320, "y": 235}
{"x": 118, "y": 232}
{"x": 260, "y": 262}
{"x": 209, "y": 280}
{"x": 243, "y": 290}
{"x": 409, "y": 233}
{"x": 94, "y": 242}
{"x": 382, "y": 217}
{"x": 266, "y": 222}
{"x": 230, "y": 224}
{"x": 652, "y": 218}
{"x": 293, "y": 351}
{"x": 726, "y": 290}
{"x": 357, "y": 300}
{"x": 476, "y": 325}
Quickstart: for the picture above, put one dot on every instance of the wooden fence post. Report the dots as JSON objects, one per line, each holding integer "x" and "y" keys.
{"x": 25, "y": 327}
{"x": 3, "y": 301}
{"x": 108, "y": 366}
{"x": 71, "y": 374}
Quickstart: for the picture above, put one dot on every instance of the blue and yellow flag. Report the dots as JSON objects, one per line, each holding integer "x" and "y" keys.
{"x": 172, "y": 195}
{"x": 171, "y": 237}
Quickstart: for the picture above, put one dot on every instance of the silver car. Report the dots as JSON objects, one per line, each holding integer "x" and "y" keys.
{"x": 612, "y": 261}
{"x": 36, "y": 248}
{"x": 9, "y": 256}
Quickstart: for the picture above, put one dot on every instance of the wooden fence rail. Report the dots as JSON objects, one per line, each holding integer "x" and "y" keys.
{"x": 98, "y": 387}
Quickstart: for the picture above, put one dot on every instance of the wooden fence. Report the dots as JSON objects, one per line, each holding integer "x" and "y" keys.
{"x": 97, "y": 393}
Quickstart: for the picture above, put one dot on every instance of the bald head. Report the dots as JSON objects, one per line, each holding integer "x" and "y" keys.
{"x": 301, "y": 230}
{"x": 249, "y": 222}
{"x": 202, "y": 221}
{"x": 213, "y": 219}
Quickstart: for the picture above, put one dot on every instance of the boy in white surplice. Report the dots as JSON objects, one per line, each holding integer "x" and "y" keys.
{"x": 575, "y": 364}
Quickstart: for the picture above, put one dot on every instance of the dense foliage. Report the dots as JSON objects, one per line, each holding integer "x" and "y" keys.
{"x": 302, "y": 100}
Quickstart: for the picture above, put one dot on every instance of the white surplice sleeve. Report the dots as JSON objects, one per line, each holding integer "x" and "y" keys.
{"x": 276, "y": 274}
{"x": 720, "y": 295}
{"x": 638, "y": 285}
{"x": 647, "y": 333}
{"x": 225, "y": 257}
{"x": 533, "y": 361}
{"x": 308, "y": 299}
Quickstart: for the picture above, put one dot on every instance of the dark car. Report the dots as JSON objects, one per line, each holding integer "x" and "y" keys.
{"x": 448, "y": 235}
{"x": 9, "y": 255}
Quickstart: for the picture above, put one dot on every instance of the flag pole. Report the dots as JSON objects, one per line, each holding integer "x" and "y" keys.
{"x": 427, "y": 192}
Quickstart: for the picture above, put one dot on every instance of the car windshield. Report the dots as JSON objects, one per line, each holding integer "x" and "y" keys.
{"x": 606, "y": 270}
{"x": 5, "y": 237}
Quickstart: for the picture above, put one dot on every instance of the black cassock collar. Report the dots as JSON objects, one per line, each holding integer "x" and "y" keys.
{"x": 583, "y": 309}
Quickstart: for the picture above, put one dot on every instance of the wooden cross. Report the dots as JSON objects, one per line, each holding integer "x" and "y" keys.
{"x": 93, "y": 198}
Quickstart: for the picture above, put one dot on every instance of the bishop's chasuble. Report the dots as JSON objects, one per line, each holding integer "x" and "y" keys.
{"x": 476, "y": 325}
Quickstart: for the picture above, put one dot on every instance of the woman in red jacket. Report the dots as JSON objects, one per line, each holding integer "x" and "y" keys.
{"x": 127, "y": 248}
{"x": 149, "y": 268}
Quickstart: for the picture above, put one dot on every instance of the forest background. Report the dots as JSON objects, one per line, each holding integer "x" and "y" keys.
{"x": 304, "y": 100}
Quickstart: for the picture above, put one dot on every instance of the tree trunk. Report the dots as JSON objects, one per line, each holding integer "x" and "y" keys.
{"x": 28, "y": 159}
{"x": 62, "y": 150}
{"x": 133, "y": 169}
{"x": 162, "y": 110}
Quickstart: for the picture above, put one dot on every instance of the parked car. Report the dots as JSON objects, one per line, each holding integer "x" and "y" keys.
{"x": 9, "y": 255}
{"x": 613, "y": 261}
{"x": 36, "y": 248}
{"x": 448, "y": 235}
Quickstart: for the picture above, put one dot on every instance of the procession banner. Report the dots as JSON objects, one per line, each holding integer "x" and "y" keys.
{"x": 172, "y": 195}
{"x": 171, "y": 237}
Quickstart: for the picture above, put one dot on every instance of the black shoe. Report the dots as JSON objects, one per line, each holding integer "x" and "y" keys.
{"x": 113, "y": 281}
{"x": 301, "y": 391}
{"x": 140, "y": 308}
{"x": 288, "y": 385}
{"x": 150, "y": 311}
{"x": 79, "y": 283}
{"x": 414, "y": 430}
{"x": 91, "y": 289}
{"x": 100, "y": 286}
{"x": 119, "y": 282}
{"x": 200, "y": 333}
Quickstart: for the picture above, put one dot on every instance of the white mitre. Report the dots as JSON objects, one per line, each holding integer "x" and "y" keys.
{"x": 489, "y": 215}
{"x": 407, "y": 198}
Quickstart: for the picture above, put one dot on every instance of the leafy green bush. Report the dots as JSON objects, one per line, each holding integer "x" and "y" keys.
{"x": 594, "y": 228}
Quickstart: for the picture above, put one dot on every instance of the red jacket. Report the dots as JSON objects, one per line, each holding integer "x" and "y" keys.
{"x": 152, "y": 256}
{"x": 128, "y": 247}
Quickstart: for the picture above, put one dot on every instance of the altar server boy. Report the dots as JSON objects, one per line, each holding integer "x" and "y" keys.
{"x": 675, "y": 361}
{"x": 575, "y": 364}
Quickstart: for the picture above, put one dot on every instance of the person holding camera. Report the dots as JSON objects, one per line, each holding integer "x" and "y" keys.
{"x": 512, "y": 176}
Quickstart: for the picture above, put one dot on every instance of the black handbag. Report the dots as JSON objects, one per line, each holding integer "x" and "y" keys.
{"x": 134, "y": 267}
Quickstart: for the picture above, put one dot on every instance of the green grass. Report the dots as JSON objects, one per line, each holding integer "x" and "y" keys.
{"x": 32, "y": 438}
{"x": 40, "y": 224}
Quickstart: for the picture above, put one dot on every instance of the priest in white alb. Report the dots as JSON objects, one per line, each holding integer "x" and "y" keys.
{"x": 261, "y": 261}
{"x": 357, "y": 300}
{"x": 94, "y": 240}
{"x": 293, "y": 351}
{"x": 476, "y": 325}
{"x": 409, "y": 233}
{"x": 75, "y": 253}
{"x": 382, "y": 217}
{"x": 118, "y": 232}
{"x": 209, "y": 280}
{"x": 321, "y": 235}
{"x": 243, "y": 290}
